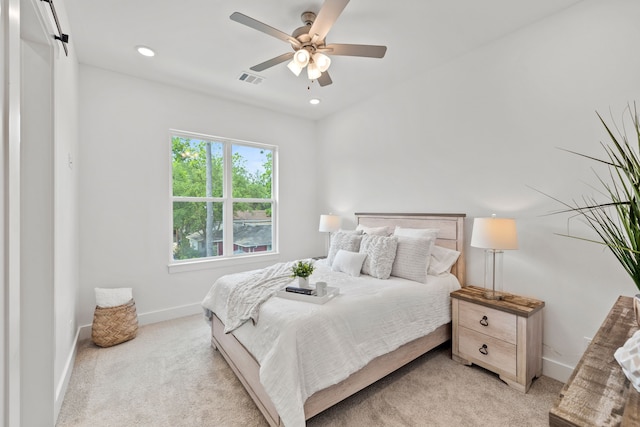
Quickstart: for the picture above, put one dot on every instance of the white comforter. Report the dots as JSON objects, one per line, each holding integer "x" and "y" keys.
{"x": 304, "y": 347}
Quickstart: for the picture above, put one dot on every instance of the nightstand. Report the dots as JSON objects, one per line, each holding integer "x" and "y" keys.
{"x": 503, "y": 336}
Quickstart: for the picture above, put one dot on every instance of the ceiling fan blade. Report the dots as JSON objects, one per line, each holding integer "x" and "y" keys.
{"x": 325, "y": 79}
{"x": 326, "y": 17}
{"x": 273, "y": 61}
{"x": 257, "y": 25}
{"x": 367, "y": 50}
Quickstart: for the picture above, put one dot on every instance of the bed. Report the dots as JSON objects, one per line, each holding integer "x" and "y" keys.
{"x": 372, "y": 328}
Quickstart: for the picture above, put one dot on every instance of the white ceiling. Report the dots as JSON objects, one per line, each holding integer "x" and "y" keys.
{"x": 198, "y": 47}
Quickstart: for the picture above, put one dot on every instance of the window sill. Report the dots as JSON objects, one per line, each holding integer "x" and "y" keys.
{"x": 181, "y": 267}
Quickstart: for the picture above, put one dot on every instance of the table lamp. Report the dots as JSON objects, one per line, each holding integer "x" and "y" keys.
{"x": 328, "y": 224}
{"x": 494, "y": 235}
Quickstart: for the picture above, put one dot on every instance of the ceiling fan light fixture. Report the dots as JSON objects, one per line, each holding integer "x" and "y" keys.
{"x": 313, "y": 72}
{"x": 322, "y": 61}
{"x": 301, "y": 57}
{"x": 294, "y": 67}
{"x": 309, "y": 41}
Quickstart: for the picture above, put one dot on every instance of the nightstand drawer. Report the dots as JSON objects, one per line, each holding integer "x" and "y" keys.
{"x": 491, "y": 351}
{"x": 488, "y": 321}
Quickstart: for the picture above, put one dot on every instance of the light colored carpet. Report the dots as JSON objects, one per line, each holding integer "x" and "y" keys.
{"x": 170, "y": 376}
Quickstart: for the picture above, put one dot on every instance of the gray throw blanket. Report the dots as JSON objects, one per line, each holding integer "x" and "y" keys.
{"x": 246, "y": 298}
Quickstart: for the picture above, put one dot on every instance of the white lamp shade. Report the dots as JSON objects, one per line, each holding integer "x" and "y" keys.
{"x": 294, "y": 67}
{"x": 301, "y": 57}
{"x": 322, "y": 61}
{"x": 313, "y": 72}
{"x": 494, "y": 233}
{"x": 329, "y": 223}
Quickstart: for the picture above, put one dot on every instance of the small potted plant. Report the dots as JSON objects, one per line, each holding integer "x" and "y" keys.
{"x": 302, "y": 270}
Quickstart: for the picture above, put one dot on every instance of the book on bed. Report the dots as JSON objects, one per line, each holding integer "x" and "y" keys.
{"x": 297, "y": 290}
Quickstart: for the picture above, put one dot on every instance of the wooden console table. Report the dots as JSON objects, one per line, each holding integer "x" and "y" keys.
{"x": 598, "y": 393}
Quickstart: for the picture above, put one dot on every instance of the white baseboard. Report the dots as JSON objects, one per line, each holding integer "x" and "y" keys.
{"x": 61, "y": 389}
{"x": 154, "y": 317}
{"x": 170, "y": 313}
{"x": 556, "y": 370}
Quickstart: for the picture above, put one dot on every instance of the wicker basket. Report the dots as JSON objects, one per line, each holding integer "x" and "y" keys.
{"x": 114, "y": 325}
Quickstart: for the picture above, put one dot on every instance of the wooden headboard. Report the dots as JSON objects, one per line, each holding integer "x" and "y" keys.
{"x": 451, "y": 234}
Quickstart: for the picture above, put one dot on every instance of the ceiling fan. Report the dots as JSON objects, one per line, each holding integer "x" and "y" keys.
{"x": 308, "y": 42}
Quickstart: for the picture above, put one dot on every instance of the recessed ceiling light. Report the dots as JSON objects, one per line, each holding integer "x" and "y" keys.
{"x": 314, "y": 101}
{"x": 145, "y": 51}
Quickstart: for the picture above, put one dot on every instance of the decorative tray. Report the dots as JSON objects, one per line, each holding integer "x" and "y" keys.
{"x": 332, "y": 292}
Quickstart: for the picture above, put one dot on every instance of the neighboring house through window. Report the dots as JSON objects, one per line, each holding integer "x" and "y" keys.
{"x": 223, "y": 194}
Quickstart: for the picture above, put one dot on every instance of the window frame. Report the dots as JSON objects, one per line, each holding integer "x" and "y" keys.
{"x": 227, "y": 200}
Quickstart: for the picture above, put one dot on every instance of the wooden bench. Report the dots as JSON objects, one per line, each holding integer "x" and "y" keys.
{"x": 598, "y": 393}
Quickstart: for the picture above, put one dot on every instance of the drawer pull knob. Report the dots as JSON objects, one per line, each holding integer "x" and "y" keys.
{"x": 484, "y": 321}
{"x": 484, "y": 350}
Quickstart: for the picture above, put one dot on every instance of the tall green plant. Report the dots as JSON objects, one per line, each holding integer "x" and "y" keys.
{"x": 617, "y": 220}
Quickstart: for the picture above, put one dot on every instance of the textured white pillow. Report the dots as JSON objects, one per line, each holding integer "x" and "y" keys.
{"x": 342, "y": 230}
{"x": 442, "y": 259}
{"x": 376, "y": 231}
{"x": 348, "y": 262}
{"x": 412, "y": 258}
{"x": 416, "y": 232}
{"x": 341, "y": 240}
{"x": 381, "y": 251}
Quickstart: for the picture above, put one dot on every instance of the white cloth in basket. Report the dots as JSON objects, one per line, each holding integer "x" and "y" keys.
{"x": 106, "y": 297}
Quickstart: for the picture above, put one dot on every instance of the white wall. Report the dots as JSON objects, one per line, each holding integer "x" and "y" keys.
{"x": 66, "y": 243}
{"x": 125, "y": 164}
{"x": 474, "y": 135}
{"x": 48, "y": 211}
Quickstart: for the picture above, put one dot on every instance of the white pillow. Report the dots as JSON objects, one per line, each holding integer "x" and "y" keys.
{"x": 416, "y": 232}
{"x": 412, "y": 258}
{"x": 442, "y": 259}
{"x": 342, "y": 230}
{"x": 341, "y": 240}
{"x": 348, "y": 262}
{"x": 376, "y": 231}
{"x": 381, "y": 251}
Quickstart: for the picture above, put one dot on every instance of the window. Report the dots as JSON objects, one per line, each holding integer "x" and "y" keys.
{"x": 223, "y": 197}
